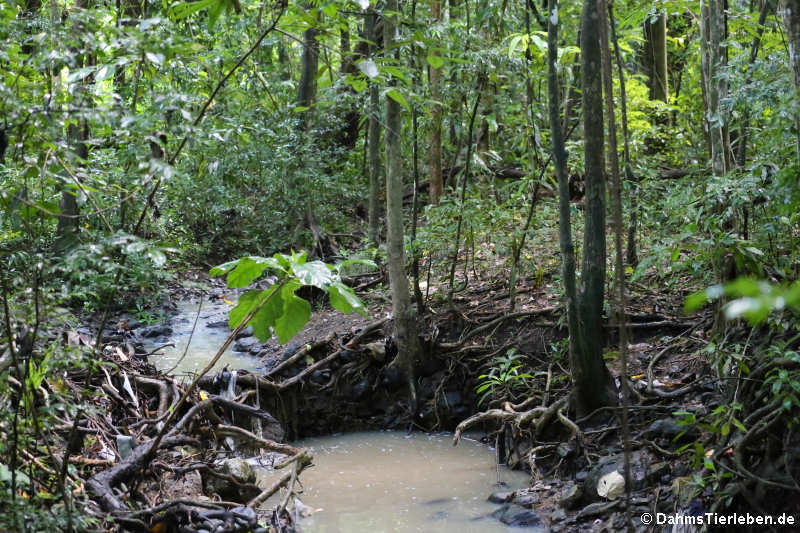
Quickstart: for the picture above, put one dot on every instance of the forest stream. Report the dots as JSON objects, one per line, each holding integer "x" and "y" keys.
{"x": 361, "y": 481}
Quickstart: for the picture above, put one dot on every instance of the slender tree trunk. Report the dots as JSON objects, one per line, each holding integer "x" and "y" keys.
{"x": 594, "y": 386}
{"x": 374, "y": 127}
{"x": 631, "y": 255}
{"x": 712, "y": 34}
{"x": 307, "y": 87}
{"x": 435, "y": 139}
{"x": 619, "y": 264}
{"x": 403, "y": 313}
{"x": 77, "y": 135}
{"x": 560, "y": 163}
{"x": 790, "y": 13}
{"x": 655, "y": 34}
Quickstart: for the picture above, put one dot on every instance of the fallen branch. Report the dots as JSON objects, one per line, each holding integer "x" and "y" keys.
{"x": 301, "y": 353}
{"x": 101, "y": 483}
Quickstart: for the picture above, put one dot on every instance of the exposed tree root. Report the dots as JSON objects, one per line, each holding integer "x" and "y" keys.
{"x": 538, "y": 418}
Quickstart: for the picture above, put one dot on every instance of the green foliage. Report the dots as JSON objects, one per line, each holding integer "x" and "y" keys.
{"x": 278, "y": 310}
{"x": 505, "y": 380}
{"x": 753, "y": 299}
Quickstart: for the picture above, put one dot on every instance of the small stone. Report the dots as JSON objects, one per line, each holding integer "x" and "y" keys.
{"x": 155, "y": 331}
{"x": 657, "y": 471}
{"x": 246, "y": 332}
{"x": 217, "y": 324}
{"x": 125, "y": 446}
{"x": 501, "y": 496}
{"x": 244, "y": 345}
{"x": 582, "y": 475}
{"x": 516, "y": 516}
{"x": 597, "y": 508}
{"x": 571, "y": 496}
{"x": 669, "y": 428}
{"x": 526, "y": 499}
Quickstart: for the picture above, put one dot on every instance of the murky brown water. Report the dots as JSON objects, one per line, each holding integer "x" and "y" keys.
{"x": 204, "y": 343}
{"x": 386, "y": 481}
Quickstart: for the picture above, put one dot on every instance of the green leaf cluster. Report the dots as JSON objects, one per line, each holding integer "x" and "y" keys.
{"x": 278, "y": 309}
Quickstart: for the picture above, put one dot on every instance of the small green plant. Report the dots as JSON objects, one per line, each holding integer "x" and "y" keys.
{"x": 146, "y": 316}
{"x": 504, "y": 379}
{"x": 278, "y": 310}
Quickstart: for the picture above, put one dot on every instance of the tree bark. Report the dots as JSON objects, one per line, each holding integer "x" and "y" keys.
{"x": 77, "y": 135}
{"x": 631, "y": 255}
{"x": 374, "y": 141}
{"x": 619, "y": 264}
{"x": 655, "y": 34}
{"x": 712, "y": 27}
{"x": 560, "y": 163}
{"x": 307, "y": 87}
{"x": 435, "y": 139}
{"x": 790, "y": 13}
{"x": 593, "y": 382}
{"x": 403, "y": 313}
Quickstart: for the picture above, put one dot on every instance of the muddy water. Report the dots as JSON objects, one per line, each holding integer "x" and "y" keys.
{"x": 204, "y": 342}
{"x": 386, "y": 481}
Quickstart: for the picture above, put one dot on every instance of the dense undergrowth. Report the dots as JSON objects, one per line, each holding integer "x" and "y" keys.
{"x": 120, "y": 170}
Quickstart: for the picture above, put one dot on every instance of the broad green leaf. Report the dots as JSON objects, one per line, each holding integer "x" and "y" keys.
{"x": 224, "y": 268}
{"x": 745, "y": 287}
{"x": 344, "y": 299}
{"x": 398, "y": 97}
{"x": 216, "y": 10}
{"x": 365, "y": 262}
{"x": 105, "y": 72}
{"x": 248, "y": 270}
{"x": 435, "y": 61}
{"x": 157, "y": 256}
{"x": 296, "y": 313}
{"x": 315, "y": 273}
{"x": 5, "y": 476}
{"x": 698, "y": 299}
{"x": 79, "y": 74}
{"x": 185, "y": 9}
{"x": 248, "y": 301}
{"x": 264, "y": 320}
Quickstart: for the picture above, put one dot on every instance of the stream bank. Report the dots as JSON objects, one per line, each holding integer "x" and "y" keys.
{"x": 334, "y": 379}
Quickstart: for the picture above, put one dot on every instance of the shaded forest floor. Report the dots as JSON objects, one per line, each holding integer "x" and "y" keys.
{"x": 340, "y": 363}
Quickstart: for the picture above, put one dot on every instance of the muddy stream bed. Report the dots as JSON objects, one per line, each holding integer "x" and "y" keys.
{"x": 377, "y": 481}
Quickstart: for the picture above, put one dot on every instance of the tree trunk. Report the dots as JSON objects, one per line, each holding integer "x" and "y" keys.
{"x": 631, "y": 255}
{"x": 655, "y": 34}
{"x": 435, "y": 139}
{"x": 594, "y": 386}
{"x": 712, "y": 28}
{"x": 77, "y": 135}
{"x": 67, "y": 229}
{"x": 374, "y": 141}
{"x": 790, "y": 13}
{"x": 560, "y": 163}
{"x": 403, "y": 313}
{"x": 307, "y": 87}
